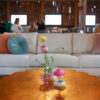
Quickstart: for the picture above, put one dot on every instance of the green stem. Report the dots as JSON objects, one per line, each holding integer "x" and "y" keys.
{"x": 44, "y": 71}
{"x": 39, "y": 62}
{"x": 47, "y": 59}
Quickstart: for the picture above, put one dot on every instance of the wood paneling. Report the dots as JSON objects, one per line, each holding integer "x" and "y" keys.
{"x": 3, "y": 11}
{"x": 8, "y": 10}
{"x": 35, "y": 9}
{"x": 82, "y": 14}
{"x": 32, "y": 9}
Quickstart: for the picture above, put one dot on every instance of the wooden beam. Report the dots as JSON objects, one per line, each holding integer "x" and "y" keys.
{"x": 8, "y": 10}
{"x": 42, "y": 10}
{"x": 82, "y": 14}
{"x": 76, "y": 14}
{"x": 40, "y": 0}
{"x": 67, "y": 13}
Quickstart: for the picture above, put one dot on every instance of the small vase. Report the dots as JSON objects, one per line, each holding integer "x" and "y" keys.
{"x": 44, "y": 78}
{"x": 53, "y": 77}
{"x": 45, "y": 81}
{"x": 59, "y": 83}
{"x": 50, "y": 71}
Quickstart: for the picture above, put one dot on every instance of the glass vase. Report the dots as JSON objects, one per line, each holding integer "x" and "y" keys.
{"x": 50, "y": 70}
{"x": 45, "y": 78}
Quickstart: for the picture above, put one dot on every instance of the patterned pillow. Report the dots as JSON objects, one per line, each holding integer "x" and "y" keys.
{"x": 3, "y": 43}
{"x": 17, "y": 45}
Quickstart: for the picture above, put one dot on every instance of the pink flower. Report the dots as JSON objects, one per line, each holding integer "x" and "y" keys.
{"x": 44, "y": 48}
{"x": 59, "y": 72}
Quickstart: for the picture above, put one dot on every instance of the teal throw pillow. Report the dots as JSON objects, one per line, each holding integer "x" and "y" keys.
{"x": 17, "y": 45}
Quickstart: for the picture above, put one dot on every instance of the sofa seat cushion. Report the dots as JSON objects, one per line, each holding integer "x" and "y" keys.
{"x": 89, "y": 60}
{"x": 61, "y": 60}
{"x": 14, "y": 60}
{"x": 55, "y": 41}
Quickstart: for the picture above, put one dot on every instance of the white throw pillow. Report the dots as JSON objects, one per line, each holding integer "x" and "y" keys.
{"x": 32, "y": 41}
{"x": 83, "y": 43}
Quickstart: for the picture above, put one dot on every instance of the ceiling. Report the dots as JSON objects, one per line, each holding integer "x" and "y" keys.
{"x": 55, "y": 0}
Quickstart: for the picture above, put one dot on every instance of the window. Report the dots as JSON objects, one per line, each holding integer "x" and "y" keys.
{"x": 23, "y": 19}
{"x": 53, "y": 19}
{"x": 90, "y": 20}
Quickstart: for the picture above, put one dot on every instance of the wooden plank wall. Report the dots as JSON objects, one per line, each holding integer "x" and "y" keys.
{"x": 37, "y": 9}
{"x": 93, "y": 8}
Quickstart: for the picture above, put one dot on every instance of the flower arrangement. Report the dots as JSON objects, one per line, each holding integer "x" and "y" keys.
{"x": 49, "y": 63}
{"x": 44, "y": 49}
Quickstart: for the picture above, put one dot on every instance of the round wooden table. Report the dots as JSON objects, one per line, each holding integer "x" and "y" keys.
{"x": 26, "y": 86}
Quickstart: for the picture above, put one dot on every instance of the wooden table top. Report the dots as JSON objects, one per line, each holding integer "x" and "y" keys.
{"x": 25, "y": 86}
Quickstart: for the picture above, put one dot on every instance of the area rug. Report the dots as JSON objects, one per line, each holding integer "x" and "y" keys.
{"x": 26, "y": 86}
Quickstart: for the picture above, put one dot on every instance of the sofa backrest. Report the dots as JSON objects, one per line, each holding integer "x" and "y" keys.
{"x": 83, "y": 43}
{"x": 72, "y": 43}
{"x": 55, "y": 41}
{"x": 32, "y": 41}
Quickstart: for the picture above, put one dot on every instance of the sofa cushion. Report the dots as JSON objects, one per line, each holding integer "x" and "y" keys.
{"x": 31, "y": 40}
{"x": 89, "y": 60}
{"x": 17, "y": 45}
{"x": 83, "y": 43}
{"x": 55, "y": 41}
{"x": 3, "y": 43}
{"x": 96, "y": 47}
{"x": 64, "y": 60}
{"x": 14, "y": 60}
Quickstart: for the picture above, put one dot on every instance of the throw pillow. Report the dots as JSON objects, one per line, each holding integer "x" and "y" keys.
{"x": 17, "y": 45}
{"x": 96, "y": 47}
{"x": 8, "y": 27}
{"x": 32, "y": 41}
{"x": 3, "y": 43}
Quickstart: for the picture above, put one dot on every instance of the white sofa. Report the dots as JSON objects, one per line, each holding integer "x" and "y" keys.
{"x": 76, "y": 54}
